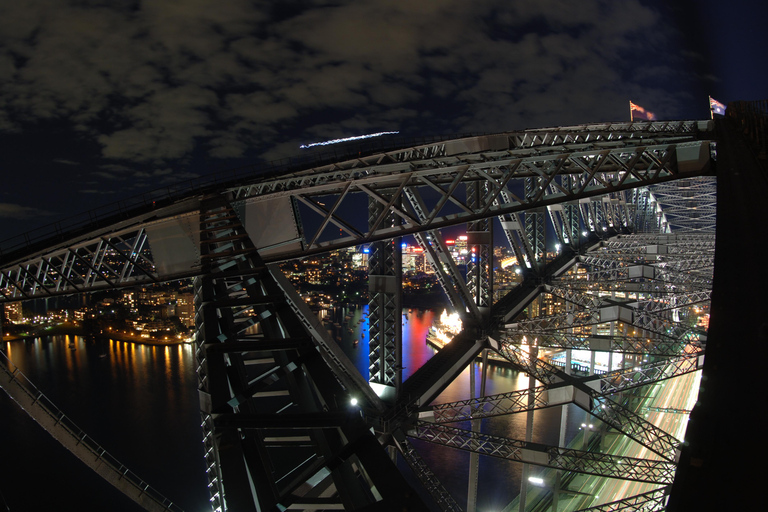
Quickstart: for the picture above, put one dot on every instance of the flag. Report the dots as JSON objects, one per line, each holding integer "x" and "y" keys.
{"x": 716, "y": 107}
{"x": 638, "y": 112}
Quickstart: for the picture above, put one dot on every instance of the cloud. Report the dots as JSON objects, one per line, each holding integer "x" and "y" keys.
{"x": 16, "y": 211}
{"x": 151, "y": 85}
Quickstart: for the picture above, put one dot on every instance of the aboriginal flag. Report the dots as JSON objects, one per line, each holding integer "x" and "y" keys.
{"x": 716, "y": 107}
{"x": 636, "y": 113}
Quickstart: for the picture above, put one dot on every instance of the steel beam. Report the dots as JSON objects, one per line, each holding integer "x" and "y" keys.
{"x": 579, "y": 461}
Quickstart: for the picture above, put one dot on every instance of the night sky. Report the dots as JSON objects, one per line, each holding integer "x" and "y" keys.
{"x": 101, "y": 100}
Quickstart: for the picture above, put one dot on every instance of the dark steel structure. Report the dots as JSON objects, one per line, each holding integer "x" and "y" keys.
{"x": 290, "y": 424}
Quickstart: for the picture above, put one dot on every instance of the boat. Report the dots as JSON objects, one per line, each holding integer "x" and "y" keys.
{"x": 446, "y": 328}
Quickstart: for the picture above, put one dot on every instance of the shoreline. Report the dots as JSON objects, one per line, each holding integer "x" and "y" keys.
{"x": 78, "y": 331}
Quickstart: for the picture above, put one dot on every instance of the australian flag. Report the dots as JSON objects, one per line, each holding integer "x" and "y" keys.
{"x": 637, "y": 112}
{"x": 716, "y": 107}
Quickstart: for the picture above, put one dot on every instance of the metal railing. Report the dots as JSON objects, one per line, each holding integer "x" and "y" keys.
{"x": 120, "y": 475}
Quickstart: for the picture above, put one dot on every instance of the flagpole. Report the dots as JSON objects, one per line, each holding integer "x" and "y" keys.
{"x": 631, "y": 116}
{"x": 711, "y": 112}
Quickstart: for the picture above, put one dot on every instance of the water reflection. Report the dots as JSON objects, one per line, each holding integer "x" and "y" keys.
{"x": 138, "y": 401}
{"x": 499, "y": 479}
{"x": 141, "y": 403}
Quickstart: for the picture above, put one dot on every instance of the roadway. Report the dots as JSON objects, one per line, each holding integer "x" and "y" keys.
{"x": 677, "y": 393}
{"x": 587, "y": 490}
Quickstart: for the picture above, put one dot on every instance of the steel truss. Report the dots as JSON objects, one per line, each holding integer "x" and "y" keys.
{"x": 277, "y": 420}
{"x": 599, "y": 386}
{"x": 274, "y": 386}
{"x": 646, "y": 502}
{"x": 385, "y": 303}
{"x": 610, "y": 466}
{"x": 596, "y": 403}
{"x": 428, "y": 479}
{"x": 116, "y": 260}
{"x": 518, "y": 180}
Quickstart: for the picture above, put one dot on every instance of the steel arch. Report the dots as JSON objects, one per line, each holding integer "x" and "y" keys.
{"x": 224, "y": 241}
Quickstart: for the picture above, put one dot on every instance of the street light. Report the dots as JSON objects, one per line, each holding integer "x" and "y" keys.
{"x": 587, "y": 429}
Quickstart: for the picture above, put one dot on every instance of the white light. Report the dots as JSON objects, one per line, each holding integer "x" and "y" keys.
{"x": 353, "y": 401}
{"x": 345, "y": 139}
{"x": 536, "y": 480}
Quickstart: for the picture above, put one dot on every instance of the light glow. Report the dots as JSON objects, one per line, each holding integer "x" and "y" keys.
{"x": 345, "y": 139}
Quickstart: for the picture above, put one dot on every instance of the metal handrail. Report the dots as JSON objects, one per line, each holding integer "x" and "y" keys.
{"x": 63, "y": 421}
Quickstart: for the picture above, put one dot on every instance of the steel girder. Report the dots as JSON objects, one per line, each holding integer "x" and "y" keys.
{"x": 119, "y": 259}
{"x": 588, "y": 321}
{"x": 653, "y": 301}
{"x": 279, "y": 429}
{"x": 520, "y": 172}
{"x": 385, "y": 303}
{"x": 611, "y": 413}
{"x": 689, "y": 205}
{"x": 442, "y": 263}
{"x": 425, "y": 474}
{"x": 631, "y": 261}
{"x": 616, "y": 343}
{"x": 591, "y": 463}
{"x": 603, "y": 385}
{"x": 596, "y": 403}
{"x": 597, "y": 172}
{"x": 512, "y": 225}
{"x": 480, "y": 245}
{"x": 645, "y": 502}
{"x": 517, "y": 173}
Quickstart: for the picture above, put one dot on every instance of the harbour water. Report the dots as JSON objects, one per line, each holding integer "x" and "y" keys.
{"x": 140, "y": 403}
